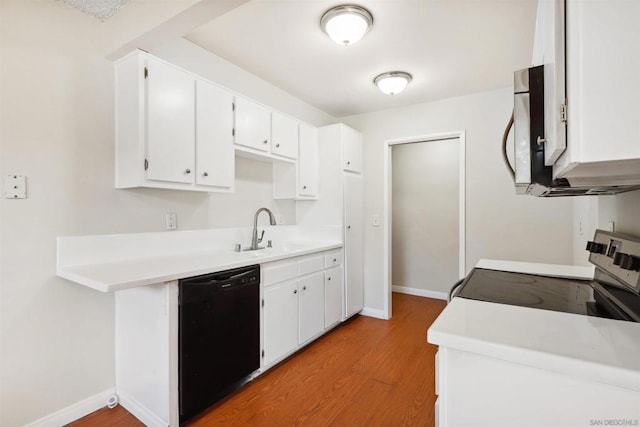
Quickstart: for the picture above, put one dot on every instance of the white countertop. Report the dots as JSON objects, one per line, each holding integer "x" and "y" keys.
{"x": 122, "y": 274}
{"x": 591, "y": 348}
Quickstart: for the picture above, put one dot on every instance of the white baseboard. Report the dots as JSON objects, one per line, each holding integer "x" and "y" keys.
{"x": 74, "y": 412}
{"x": 420, "y": 292}
{"x": 372, "y": 312}
{"x": 141, "y": 412}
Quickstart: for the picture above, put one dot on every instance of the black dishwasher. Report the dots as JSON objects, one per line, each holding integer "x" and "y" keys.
{"x": 219, "y": 336}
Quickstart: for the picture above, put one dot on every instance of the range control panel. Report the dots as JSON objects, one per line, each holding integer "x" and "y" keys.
{"x": 618, "y": 255}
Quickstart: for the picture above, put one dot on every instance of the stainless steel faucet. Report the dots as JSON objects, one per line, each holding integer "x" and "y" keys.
{"x": 254, "y": 239}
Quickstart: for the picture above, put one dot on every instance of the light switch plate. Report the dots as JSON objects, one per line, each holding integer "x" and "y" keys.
{"x": 15, "y": 187}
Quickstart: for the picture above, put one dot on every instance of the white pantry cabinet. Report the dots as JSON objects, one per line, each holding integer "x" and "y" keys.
{"x": 299, "y": 181}
{"x": 171, "y": 128}
{"x": 340, "y": 147}
{"x": 353, "y": 244}
{"x": 351, "y": 149}
{"x": 284, "y": 136}
{"x": 253, "y": 124}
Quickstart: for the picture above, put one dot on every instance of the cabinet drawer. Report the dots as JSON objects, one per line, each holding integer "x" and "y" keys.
{"x": 310, "y": 264}
{"x": 333, "y": 259}
{"x": 279, "y": 271}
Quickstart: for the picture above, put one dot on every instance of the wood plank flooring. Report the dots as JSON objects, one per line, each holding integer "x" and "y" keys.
{"x": 367, "y": 372}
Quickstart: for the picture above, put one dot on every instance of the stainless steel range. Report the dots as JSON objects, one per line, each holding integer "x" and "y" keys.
{"x": 614, "y": 291}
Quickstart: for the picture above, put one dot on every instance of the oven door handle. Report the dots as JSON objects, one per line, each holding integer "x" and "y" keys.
{"x": 453, "y": 289}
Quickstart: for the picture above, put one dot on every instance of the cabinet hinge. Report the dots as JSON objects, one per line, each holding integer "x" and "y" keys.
{"x": 233, "y": 106}
{"x": 263, "y": 354}
{"x": 233, "y": 132}
{"x": 263, "y": 302}
{"x": 146, "y": 164}
{"x": 563, "y": 113}
{"x": 146, "y": 72}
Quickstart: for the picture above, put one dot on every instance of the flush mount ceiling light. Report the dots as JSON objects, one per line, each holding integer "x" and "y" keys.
{"x": 346, "y": 24}
{"x": 392, "y": 82}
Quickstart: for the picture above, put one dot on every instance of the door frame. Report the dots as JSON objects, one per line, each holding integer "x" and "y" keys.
{"x": 387, "y": 201}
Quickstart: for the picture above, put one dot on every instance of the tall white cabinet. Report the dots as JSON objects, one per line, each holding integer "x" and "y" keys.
{"x": 341, "y": 203}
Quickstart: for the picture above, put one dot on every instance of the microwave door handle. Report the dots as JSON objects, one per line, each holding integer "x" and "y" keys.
{"x": 505, "y": 157}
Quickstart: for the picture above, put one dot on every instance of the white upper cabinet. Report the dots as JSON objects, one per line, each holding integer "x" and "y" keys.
{"x": 299, "y": 180}
{"x": 549, "y": 50}
{"x": 351, "y": 149}
{"x": 602, "y": 87}
{"x": 308, "y": 162}
{"x": 170, "y": 116}
{"x": 253, "y": 124}
{"x": 173, "y": 129}
{"x": 215, "y": 162}
{"x": 284, "y": 136}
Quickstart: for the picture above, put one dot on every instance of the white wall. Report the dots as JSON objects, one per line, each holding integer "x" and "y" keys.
{"x": 57, "y": 105}
{"x": 623, "y": 209}
{"x": 499, "y": 223}
{"x": 425, "y": 214}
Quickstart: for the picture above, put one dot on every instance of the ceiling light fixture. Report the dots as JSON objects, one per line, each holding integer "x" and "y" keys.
{"x": 392, "y": 82}
{"x": 346, "y": 24}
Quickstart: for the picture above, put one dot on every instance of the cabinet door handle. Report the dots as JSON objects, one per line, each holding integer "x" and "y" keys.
{"x": 187, "y": 171}
{"x": 295, "y": 291}
{"x": 334, "y": 260}
{"x": 304, "y": 187}
{"x": 329, "y": 278}
{"x": 277, "y": 145}
{"x": 348, "y": 227}
{"x": 205, "y": 174}
{"x": 265, "y": 142}
{"x": 348, "y": 163}
{"x": 304, "y": 288}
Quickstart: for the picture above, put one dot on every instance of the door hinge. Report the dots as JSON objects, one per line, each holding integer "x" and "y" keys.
{"x": 263, "y": 302}
{"x": 263, "y": 353}
{"x": 563, "y": 113}
{"x": 146, "y": 164}
{"x": 146, "y": 72}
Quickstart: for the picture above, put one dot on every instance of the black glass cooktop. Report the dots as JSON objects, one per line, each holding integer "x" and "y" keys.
{"x": 526, "y": 290}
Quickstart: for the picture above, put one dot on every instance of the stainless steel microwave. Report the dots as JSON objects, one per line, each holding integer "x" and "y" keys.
{"x": 531, "y": 175}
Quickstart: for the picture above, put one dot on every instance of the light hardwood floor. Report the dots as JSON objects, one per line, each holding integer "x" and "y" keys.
{"x": 366, "y": 372}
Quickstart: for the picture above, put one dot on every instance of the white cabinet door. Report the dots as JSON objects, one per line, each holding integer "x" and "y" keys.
{"x": 284, "y": 136}
{"x": 280, "y": 320}
{"x": 214, "y": 139}
{"x": 548, "y": 50}
{"x": 252, "y": 124}
{"x": 170, "y": 115}
{"x": 351, "y": 150}
{"x": 311, "y": 289}
{"x": 308, "y": 162}
{"x": 332, "y": 296}
{"x": 353, "y": 244}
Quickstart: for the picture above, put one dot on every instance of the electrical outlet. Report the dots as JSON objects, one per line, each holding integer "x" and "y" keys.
{"x": 279, "y": 219}
{"x": 171, "y": 220}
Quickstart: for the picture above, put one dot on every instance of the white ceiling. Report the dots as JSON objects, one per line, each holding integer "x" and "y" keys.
{"x": 451, "y": 47}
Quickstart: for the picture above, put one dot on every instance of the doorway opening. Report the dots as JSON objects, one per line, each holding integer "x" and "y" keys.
{"x": 424, "y": 221}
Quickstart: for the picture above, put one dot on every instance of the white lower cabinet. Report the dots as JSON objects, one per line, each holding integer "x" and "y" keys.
{"x": 301, "y": 300}
{"x": 311, "y": 306}
{"x": 332, "y": 296}
{"x": 280, "y": 320}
